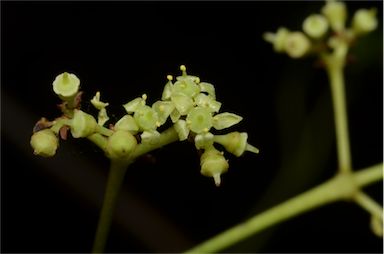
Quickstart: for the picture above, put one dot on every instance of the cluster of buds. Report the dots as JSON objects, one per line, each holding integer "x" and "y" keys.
{"x": 186, "y": 103}
{"x": 323, "y": 30}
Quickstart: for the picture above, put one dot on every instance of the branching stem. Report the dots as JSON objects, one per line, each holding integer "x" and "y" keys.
{"x": 340, "y": 187}
{"x": 116, "y": 178}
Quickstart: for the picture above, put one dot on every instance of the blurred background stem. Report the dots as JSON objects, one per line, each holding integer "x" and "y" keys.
{"x": 340, "y": 187}
{"x": 335, "y": 65}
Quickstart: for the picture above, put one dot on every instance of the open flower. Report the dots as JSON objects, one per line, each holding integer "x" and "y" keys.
{"x": 200, "y": 120}
{"x": 66, "y": 85}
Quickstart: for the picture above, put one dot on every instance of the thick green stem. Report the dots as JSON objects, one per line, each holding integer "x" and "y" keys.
{"x": 115, "y": 181}
{"x": 342, "y": 186}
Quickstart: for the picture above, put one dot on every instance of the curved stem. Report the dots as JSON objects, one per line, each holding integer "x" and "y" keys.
{"x": 342, "y": 186}
{"x": 98, "y": 140}
{"x": 104, "y": 131}
{"x": 115, "y": 181}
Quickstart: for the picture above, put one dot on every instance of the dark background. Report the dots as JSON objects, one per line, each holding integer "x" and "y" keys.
{"x": 125, "y": 49}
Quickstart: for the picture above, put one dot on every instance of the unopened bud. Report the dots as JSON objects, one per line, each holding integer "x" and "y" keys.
{"x": 82, "y": 124}
{"x": 120, "y": 144}
{"x": 315, "y": 26}
{"x": 44, "y": 143}
{"x": 297, "y": 44}
{"x": 364, "y": 21}
{"x": 213, "y": 164}
{"x": 336, "y": 13}
{"x": 235, "y": 143}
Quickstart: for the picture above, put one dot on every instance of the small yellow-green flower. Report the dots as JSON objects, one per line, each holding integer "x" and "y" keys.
{"x": 315, "y": 26}
{"x": 364, "y": 21}
{"x": 44, "y": 143}
{"x": 235, "y": 143}
{"x": 102, "y": 116}
{"x": 120, "y": 144}
{"x": 277, "y": 39}
{"x": 200, "y": 120}
{"x": 146, "y": 118}
{"x": 336, "y": 13}
{"x": 66, "y": 85}
{"x": 296, "y": 44}
{"x": 213, "y": 164}
{"x": 82, "y": 124}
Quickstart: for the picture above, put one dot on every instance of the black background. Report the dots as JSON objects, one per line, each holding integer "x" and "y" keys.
{"x": 125, "y": 49}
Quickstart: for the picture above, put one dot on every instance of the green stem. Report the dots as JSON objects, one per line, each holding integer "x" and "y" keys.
{"x": 168, "y": 136}
{"x": 99, "y": 140}
{"x": 335, "y": 65}
{"x": 342, "y": 186}
{"x": 115, "y": 181}
{"x": 367, "y": 203}
{"x": 104, "y": 131}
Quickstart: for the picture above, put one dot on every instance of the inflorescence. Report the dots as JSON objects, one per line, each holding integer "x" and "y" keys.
{"x": 188, "y": 104}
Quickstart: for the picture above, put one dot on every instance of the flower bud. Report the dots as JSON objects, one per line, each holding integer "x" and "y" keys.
{"x": 44, "y": 143}
{"x": 315, "y": 26}
{"x": 167, "y": 91}
{"x": 364, "y": 21}
{"x": 82, "y": 124}
{"x": 336, "y": 13}
{"x": 199, "y": 120}
{"x": 296, "y": 44}
{"x": 120, "y": 144}
{"x": 204, "y": 140}
{"x": 277, "y": 39}
{"x": 181, "y": 129}
{"x": 66, "y": 85}
{"x": 213, "y": 164}
{"x": 235, "y": 143}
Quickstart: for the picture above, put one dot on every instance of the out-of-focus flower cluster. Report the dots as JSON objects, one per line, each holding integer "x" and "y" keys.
{"x": 323, "y": 31}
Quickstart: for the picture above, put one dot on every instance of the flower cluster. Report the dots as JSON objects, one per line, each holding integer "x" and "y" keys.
{"x": 189, "y": 105}
{"x": 323, "y": 30}
{"x": 193, "y": 110}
